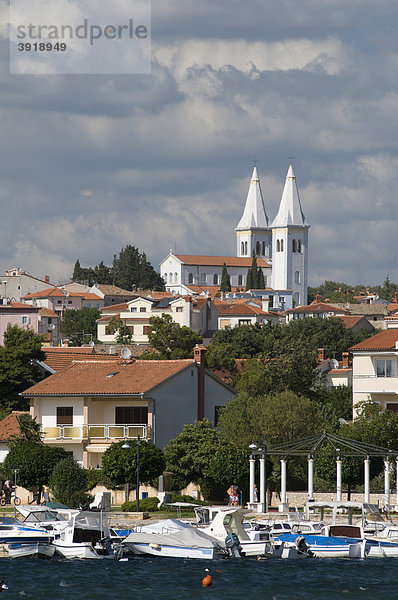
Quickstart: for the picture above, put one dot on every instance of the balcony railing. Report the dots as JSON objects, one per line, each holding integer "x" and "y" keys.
{"x": 98, "y": 432}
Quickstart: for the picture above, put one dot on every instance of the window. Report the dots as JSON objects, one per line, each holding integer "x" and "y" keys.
{"x": 69, "y": 301}
{"x": 294, "y": 246}
{"x": 142, "y": 308}
{"x": 244, "y": 322}
{"x": 281, "y": 245}
{"x": 131, "y": 328}
{"x": 25, "y": 320}
{"x": 263, "y": 249}
{"x": 49, "y": 320}
{"x": 133, "y": 309}
{"x": 278, "y": 246}
{"x": 171, "y": 277}
{"x": 297, "y": 276}
{"x": 215, "y": 279}
{"x": 145, "y": 329}
{"x": 384, "y": 367}
{"x": 178, "y": 308}
{"x": 240, "y": 279}
{"x": 242, "y": 248}
{"x": 258, "y": 248}
{"x": 175, "y": 277}
{"x": 246, "y": 248}
{"x": 59, "y": 302}
{"x": 64, "y": 415}
{"x": 203, "y": 277}
{"x": 131, "y": 415}
{"x": 271, "y": 302}
{"x": 190, "y": 278}
{"x": 299, "y": 246}
{"x": 165, "y": 277}
{"x": 393, "y": 406}
{"x": 282, "y": 299}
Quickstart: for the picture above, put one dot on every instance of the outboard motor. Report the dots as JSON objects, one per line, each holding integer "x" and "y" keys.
{"x": 233, "y": 546}
{"x": 302, "y": 547}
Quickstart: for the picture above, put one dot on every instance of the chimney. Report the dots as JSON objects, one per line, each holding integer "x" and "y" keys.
{"x": 47, "y": 278}
{"x": 321, "y": 354}
{"x": 265, "y": 303}
{"x": 345, "y": 363}
{"x": 199, "y": 356}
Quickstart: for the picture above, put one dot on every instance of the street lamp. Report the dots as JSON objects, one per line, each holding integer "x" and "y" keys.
{"x": 127, "y": 447}
{"x": 15, "y": 491}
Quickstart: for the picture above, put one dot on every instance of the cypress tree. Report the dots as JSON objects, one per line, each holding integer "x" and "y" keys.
{"x": 249, "y": 281}
{"x": 225, "y": 280}
{"x": 254, "y": 273}
{"x": 261, "y": 280}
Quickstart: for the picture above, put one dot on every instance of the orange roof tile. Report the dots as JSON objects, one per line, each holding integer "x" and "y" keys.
{"x": 385, "y": 340}
{"x": 227, "y": 308}
{"x": 114, "y": 308}
{"x": 46, "y": 312}
{"x": 230, "y": 261}
{"x": 319, "y": 307}
{"x": 90, "y": 296}
{"x": 105, "y": 377}
{"x": 10, "y": 426}
{"x": 53, "y": 292}
{"x": 18, "y": 306}
{"x": 351, "y": 320}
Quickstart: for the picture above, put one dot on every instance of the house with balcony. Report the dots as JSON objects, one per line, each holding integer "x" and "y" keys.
{"x": 243, "y": 312}
{"x": 197, "y": 313}
{"x": 375, "y": 369}
{"x": 88, "y": 405}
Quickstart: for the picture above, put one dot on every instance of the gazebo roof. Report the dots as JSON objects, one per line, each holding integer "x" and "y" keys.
{"x": 340, "y": 445}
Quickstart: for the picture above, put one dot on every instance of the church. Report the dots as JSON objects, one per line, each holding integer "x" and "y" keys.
{"x": 281, "y": 249}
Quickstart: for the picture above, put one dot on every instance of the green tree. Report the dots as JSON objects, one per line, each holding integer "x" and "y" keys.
{"x": 119, "y": 465}
{"x": 336, "y": 402}
{"x": 68, "y": 483}
{"x": 254, "y": 271}
{"x": 123, "y": 333}
{"x": 131, "y": 269}
{"x": 17, "y": 368}
{"x": 249, "y": 281}
{"x": 230, "y": 465}
{"x": 373, "y": 425}
{"x": 35, "y": 462}
{"x": 169, "y": 340}
{"x": 261, "y": 280}
{"x": 103, "y": 274}
{"x": 80, "y": 326}
{"x": 29, "y": 430}
{"x": 77, "y": 272}
{"x": 225, "y": 280}
{"x": 188, "y": 456}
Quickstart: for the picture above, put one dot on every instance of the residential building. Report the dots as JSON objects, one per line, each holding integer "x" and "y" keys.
{"x": 16, "y": 283}
{"x": 111, "y": 294}
{"x": 88, "y": 405}
{"x": 238, "y": 313}
{"x": 59, "y": 300}
{"x": 317, "y": 309}
{"x": 375, "y": 313}
{"x": 281, "y": 249}
{"x": 375, "y": 369}
{"x": 197, "y": 313}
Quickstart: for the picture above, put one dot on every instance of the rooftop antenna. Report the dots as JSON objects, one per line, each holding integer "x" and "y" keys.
{"x": 255, "y": 161}
{"x": 291, "y": 157}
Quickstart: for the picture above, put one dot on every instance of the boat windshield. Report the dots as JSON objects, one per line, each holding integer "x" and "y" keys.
{"x": 41, "y": 516}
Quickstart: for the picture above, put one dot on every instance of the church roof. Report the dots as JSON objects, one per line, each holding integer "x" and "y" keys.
{"x": 218, "y": 261}
{"x": 254, "y": 215}
{"x": 290, "y": 211}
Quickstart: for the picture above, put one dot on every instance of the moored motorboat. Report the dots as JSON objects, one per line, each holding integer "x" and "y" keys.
{"x": 172, "y": 538}
{"x": 86, "y": 536}
{"x": 38, "y": 550}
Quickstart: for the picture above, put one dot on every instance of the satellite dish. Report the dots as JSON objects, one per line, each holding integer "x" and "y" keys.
{"x": 334, "y": 363}
{"x": 52, "y": 326}
{"x": 91, "y": 344}
{"x": 126, "y": 353}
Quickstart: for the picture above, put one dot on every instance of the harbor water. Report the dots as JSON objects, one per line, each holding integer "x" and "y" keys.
{"x": 152, "y": 579}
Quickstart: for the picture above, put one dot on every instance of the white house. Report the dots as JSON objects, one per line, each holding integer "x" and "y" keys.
{"x": 88, "y": 405}
{"x": 238, "y": 313}
{"x": 375, "y": 369}
{"x": 281, "y": 249}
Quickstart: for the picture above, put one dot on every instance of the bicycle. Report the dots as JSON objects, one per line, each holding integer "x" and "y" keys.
{"x": 13, "y": 499}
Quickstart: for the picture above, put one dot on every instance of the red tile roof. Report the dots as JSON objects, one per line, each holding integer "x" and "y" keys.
{"x": 385, "y": 340}
{"x": 351, "y": 320}
{"x": 218, "y": 261}
{"x": 57, "y": 358}
{"x": 105, "y": 377}
{"x": 114, "y": 308}
{"x": 47, "y": 312}
{"x": 9, "y": 425}
{"x": 18, "y": 306}
{"x": 90, "y": 296}
{"x": 235, "y": 308}
{"x": 318, "y": 307}
{"x": 53, "y": 292}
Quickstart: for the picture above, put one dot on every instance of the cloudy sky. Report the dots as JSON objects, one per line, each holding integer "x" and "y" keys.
{"x": 90, "y": 163}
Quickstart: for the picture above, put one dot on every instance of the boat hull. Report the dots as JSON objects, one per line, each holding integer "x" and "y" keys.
{"x": 154, "y": 549}
{"x": 83, "y": 550}
{"x": 39, "y": 550}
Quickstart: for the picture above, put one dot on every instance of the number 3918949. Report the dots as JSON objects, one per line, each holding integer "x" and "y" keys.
{"x": 41, "y": 47}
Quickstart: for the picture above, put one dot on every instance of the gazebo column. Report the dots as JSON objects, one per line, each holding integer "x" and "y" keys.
{"x": 338, "y": 480}
{"x": 283, "y": 507}
{"x": 251, "y": 482}
{"x": 387, "y": 485}
{"x": 366, "y": 465}
{"x": 263, "y": 491}
{"x": 310, "y": 477}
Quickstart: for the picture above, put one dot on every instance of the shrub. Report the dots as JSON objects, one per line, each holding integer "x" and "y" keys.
{"x": 188, "y": 499}
{"x": 68, "y": 483}
{"x": 147, "y": 504}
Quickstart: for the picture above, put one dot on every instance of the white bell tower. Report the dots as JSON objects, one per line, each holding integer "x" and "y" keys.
{"x": 290, "y": 243}
{"x": 253, "y": 232}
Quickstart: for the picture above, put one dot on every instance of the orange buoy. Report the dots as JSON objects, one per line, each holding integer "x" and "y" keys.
{"x": 207, "y": 581}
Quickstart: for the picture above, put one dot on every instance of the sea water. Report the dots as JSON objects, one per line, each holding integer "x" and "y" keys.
{"x": 155, "y": 578}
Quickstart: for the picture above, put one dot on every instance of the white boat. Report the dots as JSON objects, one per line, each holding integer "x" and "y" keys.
{"x": 229, "y": 520}
{"x": 12, "y": 531}
{"x": 38, "y": 550}
{"x": 172, "y": 538}
{"x": 85, "y": 536}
